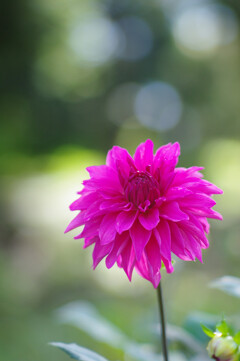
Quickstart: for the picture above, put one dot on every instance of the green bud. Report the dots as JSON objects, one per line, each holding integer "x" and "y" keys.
{"x": 223, "y": 348}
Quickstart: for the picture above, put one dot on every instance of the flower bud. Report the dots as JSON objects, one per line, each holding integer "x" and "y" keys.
{"x": 223, "y": 348}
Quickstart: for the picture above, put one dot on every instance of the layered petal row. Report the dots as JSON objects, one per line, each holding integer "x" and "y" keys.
{"x": 138, "y": 211}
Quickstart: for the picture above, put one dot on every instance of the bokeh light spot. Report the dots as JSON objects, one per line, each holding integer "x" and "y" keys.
{"x": 95, "y": 40}
{"x": 201, "y": 28}
{"x": 158, "y": 106}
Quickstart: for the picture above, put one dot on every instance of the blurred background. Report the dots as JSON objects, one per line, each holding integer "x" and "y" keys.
{"x": 77, "y": 77}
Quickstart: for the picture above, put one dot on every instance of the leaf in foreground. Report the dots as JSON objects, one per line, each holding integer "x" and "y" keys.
{"x": 228, "y": 284}
{"x": 86, "y": 317}
{"x": 207, "y": 331}
{"x": 77, "y": 352}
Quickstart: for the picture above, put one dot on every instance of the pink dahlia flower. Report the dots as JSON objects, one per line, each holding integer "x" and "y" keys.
{"x": 138, "y": 211}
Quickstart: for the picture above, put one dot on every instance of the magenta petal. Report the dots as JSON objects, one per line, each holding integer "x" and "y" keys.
{"x": 140, "y": 237}
{"x": 149, "y": 219}
{"x": 194, "y": 227}
{"x": 168, "y": 265}
{"x": 84, "y": 202}
{"x": 90, "y": 229}
{"x": 178, "y": 245}
{"x": 163, "y": 236}
{"x": 142, "y": 268}
{"x": 113, "y": 204}
{"x": 119, "y": 244}
{"x": 205, "y": 224}
{"x": 175, "y": 193}
{"x": 119, "y": 159}
{"x": 167, "y": 156}
{"x": 153, "y": 254}
{"x": 192, "y": 246}
{"x": 172, "y": 212}
{"x": 144, "y": 155}
{"x": 119, "y": 154}
{"x": 196, "y": 200}
{"x": 206, "y": 212}
{"x": 127, "y": 260}
{"x": 125, "y": 220}
{"x": 89, "y": 241}
{"x": 100, "y": 252}
{"x": 107, "y": 231}
{"x": 78, "y": 221}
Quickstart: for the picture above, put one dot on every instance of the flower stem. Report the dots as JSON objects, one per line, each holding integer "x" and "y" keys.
{"x": 163, "y": 326}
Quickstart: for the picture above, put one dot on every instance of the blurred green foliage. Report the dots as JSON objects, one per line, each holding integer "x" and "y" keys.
{"x": 76, "y": 78}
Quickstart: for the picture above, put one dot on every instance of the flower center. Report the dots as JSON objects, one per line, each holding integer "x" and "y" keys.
{"x": 142, "y": 187}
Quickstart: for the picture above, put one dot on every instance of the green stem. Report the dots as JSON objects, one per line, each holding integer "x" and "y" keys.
{"x": 163, "y": 326}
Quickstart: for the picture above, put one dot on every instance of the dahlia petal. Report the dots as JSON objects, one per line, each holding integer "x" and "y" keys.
{"x": 141, "y": 267}
{"x": 94, "y": 210}
{"x": 168, "y": 265}
{"x": 119, "y": 244}
{"x": 192, "y": 246}
{"x": 125, "y": 220}
{"x": 127, "y": 260}
{"x": 172, "y": 212}
{"x": 197, "y": 200}
{"x": 194, "y": 227}
{"x": 99, "y": 252}
{"x": 102, "y": 176}
{"x": 183, "y": 175}
{"x": 177, "y": 192}
{"x": 178, "y": 243}
{"x": 107, "y": 230}
{"x": 206, "y": 212}
{"x": 140, "y": 237}
{"x": 202, "y": 186}
{"x": 205, "y": 224}
{"x": 193, "y": 171}
{"x": 113, "y": 204}
{"x": 165, "y": 161}
{"x": 78, "y": 221}
{"x": 149, "y": 219}
{"x": 152, "y": 251}
{"x": 102, "y": 172}
{"x": 84, "y": 202}
{"x": 144, "y": 155}
{"x": 167, "y": 156}
{"x": 156, "y": 279}
{"x": 119, "y": 154}
{"x": 90, "y": 229}
{"x": 163, "y": 236}
{"x": 89, "y": 241}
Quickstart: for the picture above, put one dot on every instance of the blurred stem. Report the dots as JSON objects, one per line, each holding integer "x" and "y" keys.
{"x": 162, "y": 321}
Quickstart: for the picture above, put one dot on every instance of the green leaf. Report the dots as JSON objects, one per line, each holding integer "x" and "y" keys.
{"x": 207, "y": 331}
{"x": 227, "y": 284}
{"x": 77, "y": 352}
{"x": 85, "y": 316}
{"x": 237, "y": 338}
{"x": 193, "y": 324}
{"x": 223, "y": 328}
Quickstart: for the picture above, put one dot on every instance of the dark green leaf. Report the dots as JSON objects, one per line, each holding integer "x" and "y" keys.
{"x": 237, "y": 338}
{"x": 77, "y": 352}
{"x": 207, "y": 331}
{"x": 228, "y": 284}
